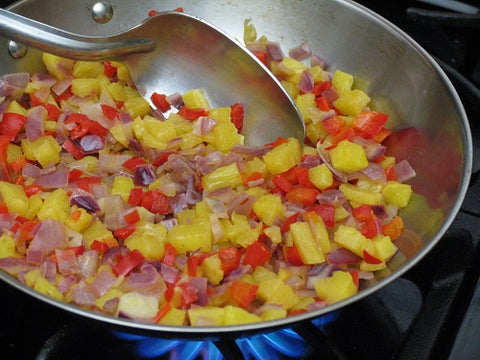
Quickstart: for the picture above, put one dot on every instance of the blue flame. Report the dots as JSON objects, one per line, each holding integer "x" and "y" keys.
{"x": 277, "y": 345}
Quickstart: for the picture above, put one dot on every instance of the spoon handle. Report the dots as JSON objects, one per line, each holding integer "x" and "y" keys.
{"x": 65, "y": 44}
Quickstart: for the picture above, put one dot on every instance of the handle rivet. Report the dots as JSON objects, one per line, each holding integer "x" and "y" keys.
{"x": 16, "y": 50}
{"x": 102, "y": 12}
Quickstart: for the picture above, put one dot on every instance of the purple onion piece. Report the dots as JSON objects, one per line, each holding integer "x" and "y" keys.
{"x": 91, "y": 144}
{"x": 87, "y": 202}
{"x": 144, "y": 175}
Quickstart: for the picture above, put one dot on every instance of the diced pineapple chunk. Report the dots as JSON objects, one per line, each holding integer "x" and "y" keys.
{"x": 138, "y": 306}
{"x": 122, "y": 185}
{"x": 96, "y": 231}
{"x": 56, "y": 206}
{"x": 85, "y": 87}
{"x": 117, "y": 91}
{"x": 335, "y": 288}
{"x": 321, "y": 176}
{"x": 306, "y": 244}
{"x": 397, "y": 193}
{"x": 45, "y": 150}
{"x": 274, "y": 233}
{"x": 87, "y": 69}
{"x": 79, "y": 219}
{"x": 283, "y": 157}
{"x": 14, "y": 197}
{"x": 348, "y": 157}
{"x": 196, "y": 99}
{"x": 212, "y": 269}
{"x": 211, "y": 315}
{"x": 305, "y": 102}
{"x": 7, "y": 246}
{"x": 137, "y": 106}
{"x": 342, "y": 81}
{"x": 225, "y": 176}
{"x": 234, "y": 315}
{"x": 359, "y": 195}
{"x": 149, "y": 239}
{"x": 351, "y": 239}
{"x": 352, "y": 102}
{"x": 45, "y": 287}
{"x": 175, "y": 317}
{"x": 268, "y": 208}
{"x": 57, "y": 66}
{"x": 275, "y": 291}
{"x": 190, "y": 237}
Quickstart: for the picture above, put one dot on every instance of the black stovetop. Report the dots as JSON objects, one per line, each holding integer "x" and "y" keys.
{"x": 440, "y": 319}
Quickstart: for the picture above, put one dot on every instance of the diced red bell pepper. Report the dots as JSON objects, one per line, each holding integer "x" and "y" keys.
{"x": 96, "y": 128}
{"x": 86, "y": 183}
{"x": 155, "y": 202}
{"x": 11, "y": 124}
{"x": 303, "y": 195}
{"x": 237, "y": 115}
{"x": 370, "y": 259}
{"x": 18, "y": 164}
{"x": 192, "y": 264}
{"x": 124, "y": 232}
{"x": 391, "y": 173}
{"x": 153, "y": 12}
{"x": 347, "y": 133}
{"x": 108, "y": 69}
{"x": 334, "y": 125}
{"x": 324, "y": 103}
{"x": 67, "y": 94}
{"x": 280, "y": 140}
{"x": 53, "y": 112}
{"x": 128, "y": 263}
{"x": 251, "y": 177}
{"x": 73, "y": 149}
{"x": 164, "y": 310}
{"x": 362, "y": 212}
{"x": 320, "y": 87}
{"x": 192, "y": 114}
{"x": 256, "y": 254}
{"x": 292, "y": 255}
{"x": 135, "y": 196}
{"x": 74, "y": 175}
{"x": 82, "y": 125}
{"x": 4, "y": 142}
{"x": 303, "y": 176}
{"x": 162, "y": 159}
{"x": 170, "y": 255}
{"x": 327, "y": 213}
{"x": 355, "y": 277}
{"x": 243, "y": 293}
{"x": 368, "y": 124}
{"x": 160, "y": 101}
{"x": 35, "y": 101}
{"x": 382, "y": 135}
{"x": 133, "y": 163}
{"x": 132, "y": 217}
{"x": 370, "y": 228}
{"x": 394, "y": 228}
{"x": 101, "y": 247}
{"x": 110, "y": 112}
{"x": 282, "y": 182}
{"x": 189, "y": 293}
{"x": 26, "y": 230}
{"x": 289, "y": 221}
{"x": 33, "y": 189}
{"x": 230, "y": 259}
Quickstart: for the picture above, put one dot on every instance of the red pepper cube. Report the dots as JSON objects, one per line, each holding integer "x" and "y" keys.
{"x": 368, "y": 124}
{"x": 229, "y": 258}
{"x": 11, "y": 124}
{"x": 132, "y": 217}
{"x": 128, "y": 263}
{"x": 160, "y": 101}
{"x": 256, "y": 254}
{"x": 243, "y": 293}
{"x": 237, "y": 115}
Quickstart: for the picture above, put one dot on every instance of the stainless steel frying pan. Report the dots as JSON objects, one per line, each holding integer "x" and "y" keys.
{"x": 398, "y": 74}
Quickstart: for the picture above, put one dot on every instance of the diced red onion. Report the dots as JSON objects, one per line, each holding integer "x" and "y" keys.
{"x": 103, "y": 282}
{"x": 111, "y": 163}
{"x": 91, "y": 144}
{"x": 341, "y": 256}
{"x": 178, "y": 203}
{"x": 330, "y": 94}
{"x": 66, "y": 283}
{"x": 113, "y": 206}
{"x": 144, "y": 175}
{"x": 30, "y": 171}
{"x": 251, "y": 150}
{"x": 375, "y": 172}
{"x": 404, "y": 171}
{"x": 203, "y": 125}
{"x": 209, "y": 163}
{"x": 66, "y": 261}
{"x": 84, "y": 200}
{"x": 49, "y": 270}
{"x": 169, "y": 223}
{"x": 175, "y": 100}
{"x": 83, "y": 294}
{"x": 143, "y": 280}
{"x": 300, "y": 52}
{"x": 15, "y": 265}
{"x": 55, "y": 179}
{"x": 18, "y": 80}
{"x": 331, "y": 196}
{"x": 34, "y": 127}
{"x": 60, "y": 87}
{"x": 88, "y": 263}
{"x": 200, "y": 285}
{"x": 169, "y": 274}
{"x": 274, "y": 51}
{"x": 310, "y": 162}
{"x": 50, "y": 235}
{"x": 316, "y": 60}
{"x": 305, "y": 83}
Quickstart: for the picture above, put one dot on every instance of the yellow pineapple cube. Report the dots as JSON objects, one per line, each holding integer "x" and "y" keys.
{"x": 149, "y": 239}
{"x": 352, "y": 102}
{"x": 56, "y": 206}
{"x": 335, "y": 288}
{"x": 268, "y": 208}
{"x": 351, "y": 239}
{"x": 96, "y": 231}
{"x": 87, "y": 69}
{"x": 359, "y": 195}
{"x": 206, "y": 314}
{"x": 222, "y": 114}
{"x": 316, "y": 132}
{"x": 85, "y": 87}
{"x": 117, "y": 91}
{"x": 79, "y": 219}
{"x": 190, "y": 237}
{"x": 196, "y": 99}
{"x": 274, "y": 233}
{"x": 292, "y": 88}
{"x": 321, "y": 176}
{"x": 34, "y": 204}
{"x": 57, "y": 66}
{"x": 122, "y": 185}
{"x": 275, "y": 291}
{"x": 137, "y": 106}
{"x": 225, "y": 176}
{"x": 45, "y": 287}
{"x": 283, "y": 157}
{"x": 175, "y": 317}
{"x": 304, "y": 102}
{"x": 397, "y": 193}
{"x": 305, "y": 242}
{"x": 273, "y": 314}
{"x": 348, "y": 157}
{"x": 212, "y": 269}
{"x": 342, "y": 81}
{"x": 7, "y": 246}
{"x": 14, "y": 197}
{"x": 234, "y": 315}
{"x": 45, "y": 150}
{"x": 261, "y": 273}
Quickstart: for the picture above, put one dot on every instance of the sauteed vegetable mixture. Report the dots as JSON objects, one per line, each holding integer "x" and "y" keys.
{"x": 161, "y": 213}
